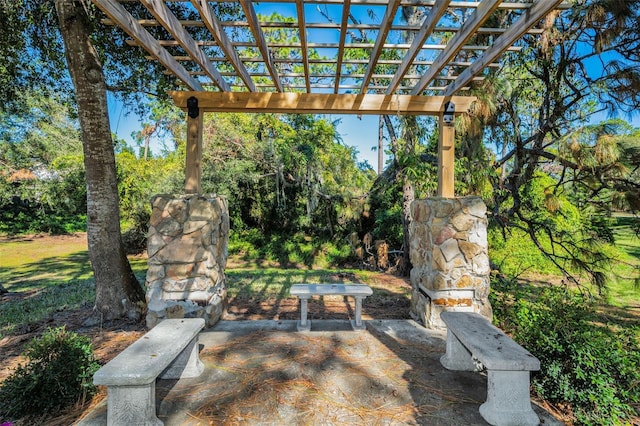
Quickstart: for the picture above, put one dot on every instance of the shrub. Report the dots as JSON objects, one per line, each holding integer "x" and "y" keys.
{"x": 516, "y": 253}
{"x": 58, "y": 373}
{"x": 587, "y": 365}
{"x": 134, "y": 238}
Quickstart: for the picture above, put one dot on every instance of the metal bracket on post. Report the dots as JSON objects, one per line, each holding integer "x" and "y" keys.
{"x": 193, "y": 169}
{"x": 449, "y": 113}
{"x": 192, "y": 107}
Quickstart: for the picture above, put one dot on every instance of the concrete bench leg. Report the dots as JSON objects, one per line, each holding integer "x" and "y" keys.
{"x": 132, "y": 405}
{"x": 303, "y": 324}
{"x": 457, "y": 357}
{"x": 186, "y": 364}
{"x": 508, "y": 400}
{"x": 358, "y": 324}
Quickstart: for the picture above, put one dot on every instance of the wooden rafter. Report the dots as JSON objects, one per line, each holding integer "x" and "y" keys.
{"x": 159, "y": 9}
{"x": 302, "y": 28}
{"x": 213, "y": 25}
{"x": 385, "y": 26}
{"x": 324, "y": 26}
{"x": 330, "y": 61}
{"x": 233, "y": 63}
{"x": 331, "y": 75}
{"x": 332, "y": 45}
{"x": 320, "y": 103}
{"x": 352, "y": 88}
{"x": 123, "y": 18}
{"x": 467, "y": 31}
{"x": 532, "y": 16}
{"x": 508, "y": 5}
{"x": 254, "y": 24}
{"x": 437, "y": 10}
{"x": 343, "y": 35}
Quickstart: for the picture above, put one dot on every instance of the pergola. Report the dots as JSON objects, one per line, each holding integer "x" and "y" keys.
{"x": 326, "y": 56}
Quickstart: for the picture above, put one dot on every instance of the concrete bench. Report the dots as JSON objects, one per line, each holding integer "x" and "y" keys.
{"x": 305, "y": 291}
{"x": 471, "y": 338}
{"x": 168, "y": 351}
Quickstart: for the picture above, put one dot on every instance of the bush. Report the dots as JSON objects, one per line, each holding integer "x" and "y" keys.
{"x": 516, "y": 254}
{"x": 58, "y": 373}
{"x": 589, "y": 366}
{"x": 290, "y": 249}
{"x": 134, "y": 238}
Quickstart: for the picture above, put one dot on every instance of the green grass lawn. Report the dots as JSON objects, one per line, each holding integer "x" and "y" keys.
{"x": 47, "y": 275}
{"x": 35, "y": 263}
{"x": 261, "y": 282}
{"x": 53, "y": 274}
{"x": 624, "y": 289}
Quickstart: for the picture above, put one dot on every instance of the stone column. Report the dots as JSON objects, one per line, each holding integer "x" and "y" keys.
{"x": 187, "y": 247}
{"x": 449, "y": 253}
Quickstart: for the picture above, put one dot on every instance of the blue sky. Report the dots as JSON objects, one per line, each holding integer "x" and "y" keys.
{"x": 361, "y": 133}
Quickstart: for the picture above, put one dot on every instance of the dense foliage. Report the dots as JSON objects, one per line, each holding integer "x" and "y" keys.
{"x": 587, "y": 364}
{"x": 536, "y": 115}
{"x": 41, "y": 170}
{"x": 59, "y": 370}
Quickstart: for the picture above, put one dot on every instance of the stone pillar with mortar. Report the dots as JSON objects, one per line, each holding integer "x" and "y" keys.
{"x": 449, "y": 253}
{"x": 187, "y": 247}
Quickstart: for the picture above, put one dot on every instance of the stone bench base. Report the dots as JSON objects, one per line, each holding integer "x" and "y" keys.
{"x": 305, "y": 291}
{"x": 473, "y": 342}
{"x": 168, "y": 351}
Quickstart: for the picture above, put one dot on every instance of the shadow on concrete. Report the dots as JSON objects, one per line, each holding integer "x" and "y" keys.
{"x": 266, "y": 373}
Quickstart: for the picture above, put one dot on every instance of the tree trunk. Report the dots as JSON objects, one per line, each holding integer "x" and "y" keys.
{"x": 410, "y": 138}
{"x": 118, "y": 293}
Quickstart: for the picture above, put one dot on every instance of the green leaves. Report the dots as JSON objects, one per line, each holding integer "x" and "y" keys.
{"x": 585, "y": 363}
{"x": 58, "y": 373}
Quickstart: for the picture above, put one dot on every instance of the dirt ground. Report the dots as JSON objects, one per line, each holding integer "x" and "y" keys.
{"x": 279, "y": 391}
{"x": 110, "y": 338}
{"x": 265, "y": 373}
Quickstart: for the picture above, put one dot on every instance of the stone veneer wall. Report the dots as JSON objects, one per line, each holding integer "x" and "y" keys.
{"x": 187, "y": 247}
{"x": 450, "y": 258}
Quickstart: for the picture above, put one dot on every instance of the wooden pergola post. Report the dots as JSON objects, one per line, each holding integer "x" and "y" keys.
{"x": 193, "y": 172}
{"x": 446, "y": 152}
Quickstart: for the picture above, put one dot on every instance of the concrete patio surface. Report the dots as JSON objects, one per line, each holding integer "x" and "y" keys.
{"x": 267, "y": 373}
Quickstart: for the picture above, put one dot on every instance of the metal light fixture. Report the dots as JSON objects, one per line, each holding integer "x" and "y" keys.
{"x": 449, "y": 112}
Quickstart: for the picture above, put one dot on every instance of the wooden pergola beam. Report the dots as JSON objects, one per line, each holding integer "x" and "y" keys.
{"x": 532, "y": 16}
{"x": 322, "y": 25}
{"x": 330, "y": 45}
{"x": 302, "y": 27}
{"x": 437, "y": 10}
{"x": 468, "y": 30}
{"x": 321, "y": 103}
{"x": 159, "y": 9}
{"x": 343, "y": 36}
{"x": 128, "y": 23}
{"x": 214, "y": 26}
{"x": 254, "y": 24}
{"x": 385, "y": 26}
